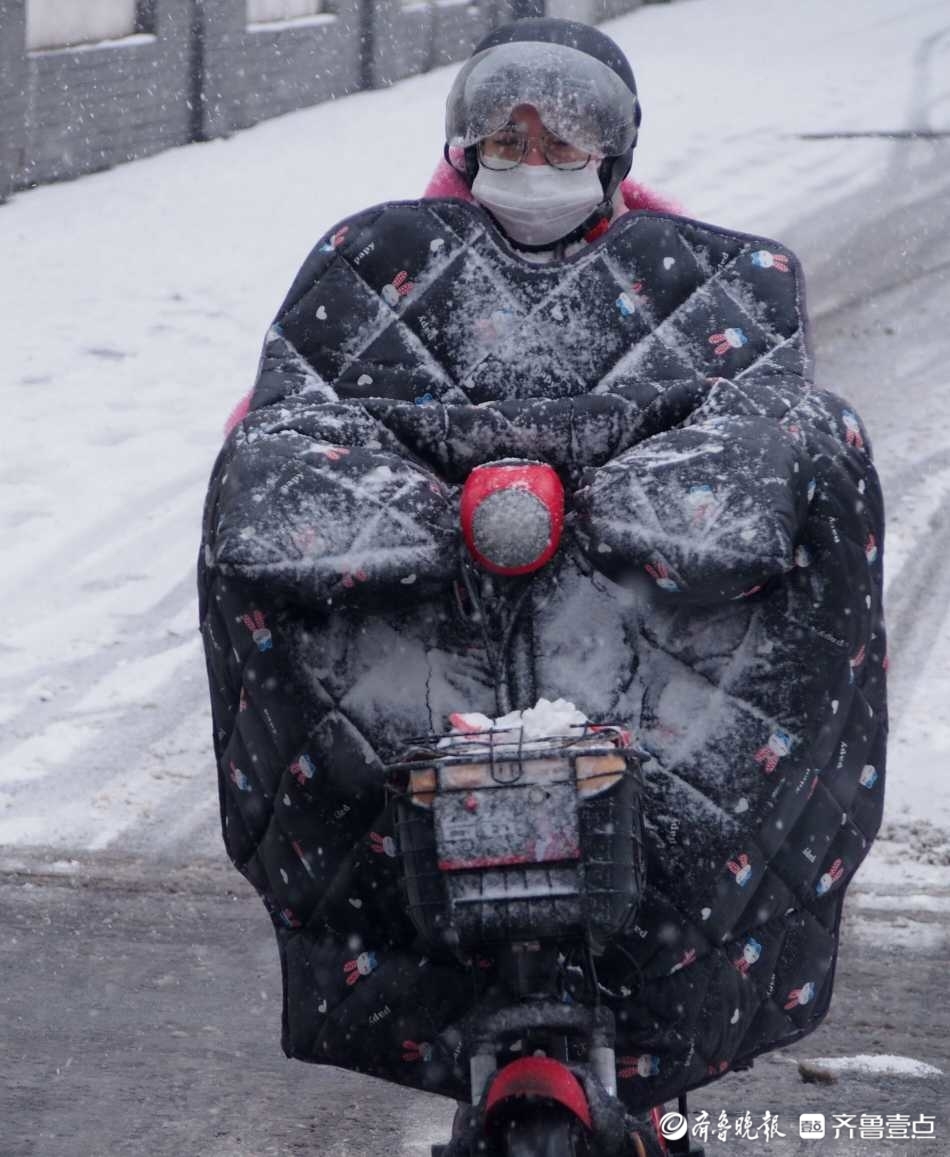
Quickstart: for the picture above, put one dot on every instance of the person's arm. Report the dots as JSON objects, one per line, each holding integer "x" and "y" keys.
{"x": 713, "y": 508}
{"x": 313, "y": 497}
{"x": 318, "y": 503}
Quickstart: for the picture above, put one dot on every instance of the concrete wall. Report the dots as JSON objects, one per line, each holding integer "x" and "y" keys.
{"x": 608, "y": 9}
{"x": 196, "y": 69}
{"x": 403, "y": 39}
{"x": 592, "y": 11}
{"x": 12, "y": 93}
{"x": 253, "y": 71}
{"x": 96, "y": 105}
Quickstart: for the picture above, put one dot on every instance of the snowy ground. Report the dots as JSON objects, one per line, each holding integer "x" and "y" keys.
{"x": 132, "y": 305}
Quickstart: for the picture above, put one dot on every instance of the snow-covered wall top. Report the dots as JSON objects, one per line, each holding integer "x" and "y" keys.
{"x": 264, "y": 10}
{"x": 53, "y": 24}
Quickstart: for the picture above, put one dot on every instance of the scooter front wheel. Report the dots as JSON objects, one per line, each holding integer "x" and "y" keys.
{"x": 541, "y": 1129}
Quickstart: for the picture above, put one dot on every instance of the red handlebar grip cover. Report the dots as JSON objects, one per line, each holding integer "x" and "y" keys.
{"x": 530, "y": 478}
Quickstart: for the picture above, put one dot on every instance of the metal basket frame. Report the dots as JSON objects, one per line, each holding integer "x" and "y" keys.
{"x": 591, "y": 894}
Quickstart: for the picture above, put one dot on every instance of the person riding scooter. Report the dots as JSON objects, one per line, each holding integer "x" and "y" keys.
{"x": 716, "y": 590}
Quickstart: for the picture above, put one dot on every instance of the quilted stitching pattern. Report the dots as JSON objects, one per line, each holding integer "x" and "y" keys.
{"x": 766, "y": 714}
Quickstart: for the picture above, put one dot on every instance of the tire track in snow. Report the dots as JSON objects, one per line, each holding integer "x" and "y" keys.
{"x": 918, "y": 608}
{"x": 76, "y": 679}
{"x": 118, "y": 529}
{"x": 147, "y": 775}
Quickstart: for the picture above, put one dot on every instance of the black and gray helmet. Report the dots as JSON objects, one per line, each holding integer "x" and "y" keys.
{"x": 575, "y": 76}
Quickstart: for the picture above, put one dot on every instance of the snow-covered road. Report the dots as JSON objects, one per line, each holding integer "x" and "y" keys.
{"x": 143, "y": 1011}
{"x": 132, "y": 305}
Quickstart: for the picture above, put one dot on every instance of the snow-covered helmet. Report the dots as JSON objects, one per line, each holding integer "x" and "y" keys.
{"x": 577, "y": 78}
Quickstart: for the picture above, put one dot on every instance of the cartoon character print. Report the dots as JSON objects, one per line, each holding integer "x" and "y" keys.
{"x": 302, "y": 857}
{"x": 852, "y": 429}
{"x": 730, "y": 339}
{"x": 684, "y": 961}
{"x": 830, "y": 878}
{"x": 870, "y": 549}
{"x": 359, "y": 967}
{"x": 748, "y": 594}
{"x": 335, "y": 241}
{"x": 414, "y": 1051}
{"x": 800, "y": 996}
{"x": 382, "y": 845}
{"x": 701, "y": 504}
{"x": 646, "y": 1065}
{"x": 238, "y": 778}
{"x": 779, "y": 745}
{"x": 350, "y": 578}
{"x": 303, "y": 769}
{"x": 741, "y": 869}
{"x": 398, "y": 288}
{"x": 751, "y": 951}
{"x": 628, "y": 303}
{"x": 660, "y": 573}
{"x": 868, "y": 776}
{"x": 305, "y": 540}
{"x": 330, "y": 452}
{"x": 763, "y": 259}
{"x": 257, "y": 625}
{"x": 497, "y": 325}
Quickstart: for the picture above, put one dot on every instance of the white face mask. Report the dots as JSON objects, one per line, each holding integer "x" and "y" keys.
{"x": 538, "y": 204}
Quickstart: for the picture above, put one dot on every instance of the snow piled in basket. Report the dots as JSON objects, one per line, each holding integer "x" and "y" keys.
{"x": 545, "y": 720}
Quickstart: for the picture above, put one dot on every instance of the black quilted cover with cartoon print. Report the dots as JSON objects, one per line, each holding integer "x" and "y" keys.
{"x": 718, "y": 591}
